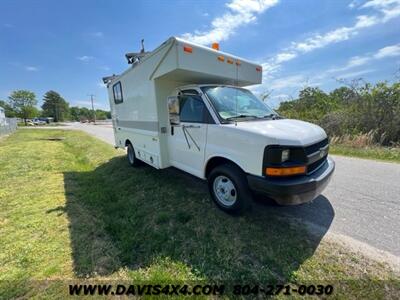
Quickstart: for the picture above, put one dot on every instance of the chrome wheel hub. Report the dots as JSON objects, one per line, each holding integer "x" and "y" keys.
{"x": 225, "y": 190}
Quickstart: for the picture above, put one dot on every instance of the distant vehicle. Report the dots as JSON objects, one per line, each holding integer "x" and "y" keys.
{"x": 45, "y": 119}
{"x": 184, "y": 105}
{"x": 38, "y": 121}
{"x": 30, "y": 123}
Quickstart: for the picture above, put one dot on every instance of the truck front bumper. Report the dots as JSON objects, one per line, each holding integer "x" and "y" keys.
{"x": 295, "y": 190}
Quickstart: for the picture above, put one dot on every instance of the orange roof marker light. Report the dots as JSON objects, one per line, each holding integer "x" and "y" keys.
{"x": 215, "y": 46}
{"x": 188, "y": 49}
{"x": 238, "y": 63}
{"x": 258, "y": 69}
{"x": 221, "y": 58}
{"x": 229, "y": 61}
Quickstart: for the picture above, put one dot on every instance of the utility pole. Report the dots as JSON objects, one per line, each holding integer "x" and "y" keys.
{"x": 94, "y": 113}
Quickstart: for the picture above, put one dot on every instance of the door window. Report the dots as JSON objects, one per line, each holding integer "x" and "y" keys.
{"x": 192, "y": 109}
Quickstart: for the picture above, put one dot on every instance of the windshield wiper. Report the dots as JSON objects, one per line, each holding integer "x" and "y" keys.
{"x": 241, "y": 117}
{"x": 272, "y": 116}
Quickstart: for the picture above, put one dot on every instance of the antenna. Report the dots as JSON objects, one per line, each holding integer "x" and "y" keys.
{"x": 135, "y": 57}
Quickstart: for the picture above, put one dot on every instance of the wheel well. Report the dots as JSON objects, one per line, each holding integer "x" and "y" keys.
{"x": 216, "y": 161}
{"x": 127, "y": 142}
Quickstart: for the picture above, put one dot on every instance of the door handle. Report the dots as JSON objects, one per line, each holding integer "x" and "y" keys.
{"x": 191, "y": 126}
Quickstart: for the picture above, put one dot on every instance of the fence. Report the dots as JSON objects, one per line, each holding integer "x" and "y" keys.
{"x": 9, "y": 126}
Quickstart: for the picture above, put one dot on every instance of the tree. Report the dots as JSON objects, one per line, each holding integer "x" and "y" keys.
{"x": 74, "y": 113}
{"x": 78, "y": 114}
{"x": 8, "y": 110}
{"x": 101, "y": 114}
{"x": 85, "y": 114}
{"x": 55, "y": 106}
{"x": 23, "y": 102}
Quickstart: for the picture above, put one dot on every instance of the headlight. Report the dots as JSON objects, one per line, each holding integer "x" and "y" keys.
{"x": 285, "y": 155}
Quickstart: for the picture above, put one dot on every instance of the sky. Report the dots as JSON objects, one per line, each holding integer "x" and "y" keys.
{"x": 68, "y": 46}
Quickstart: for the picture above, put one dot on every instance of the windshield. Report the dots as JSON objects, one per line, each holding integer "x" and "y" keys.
{"x": 236, "y": 103}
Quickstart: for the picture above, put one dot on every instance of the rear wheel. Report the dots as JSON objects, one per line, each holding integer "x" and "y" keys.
{"x": 229, "y": 189}
{"x": 133, "y": 161}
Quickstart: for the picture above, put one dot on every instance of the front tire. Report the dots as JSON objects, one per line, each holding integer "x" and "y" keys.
{"x": 132, "y": 160}
{"x": 229, "y": 189}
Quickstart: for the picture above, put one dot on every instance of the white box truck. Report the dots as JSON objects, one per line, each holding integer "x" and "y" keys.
{"x": 183, "y": 105}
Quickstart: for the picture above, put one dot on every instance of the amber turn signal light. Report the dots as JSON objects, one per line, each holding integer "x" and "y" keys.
{"x": 286, "y": 171}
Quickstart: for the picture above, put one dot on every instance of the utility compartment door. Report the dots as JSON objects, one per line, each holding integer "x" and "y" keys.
{"x": 187, "y": 138}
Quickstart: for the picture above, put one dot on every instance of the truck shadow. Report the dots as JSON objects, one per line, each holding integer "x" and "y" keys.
{"x": 125, "y": 218}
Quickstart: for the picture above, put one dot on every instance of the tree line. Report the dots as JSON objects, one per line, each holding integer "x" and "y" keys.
{"x": 23, "y": 104}
{"x": 355, "y": 108}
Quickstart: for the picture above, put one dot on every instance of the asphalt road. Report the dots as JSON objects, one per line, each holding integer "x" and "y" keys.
{"x": 362, "y": 200}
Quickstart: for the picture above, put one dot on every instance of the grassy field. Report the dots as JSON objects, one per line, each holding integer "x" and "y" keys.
{"x": 369, "y": 152}
{"x": 72, "y": 209}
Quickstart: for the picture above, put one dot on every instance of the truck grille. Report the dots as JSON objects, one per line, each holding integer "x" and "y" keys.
{"x": 314, "y": 161}
{"x": 315, "y": 147}
{"x": 315, "y": 165}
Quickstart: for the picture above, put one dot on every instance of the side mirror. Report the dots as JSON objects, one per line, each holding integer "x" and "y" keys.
{"x": 173, "y": 109}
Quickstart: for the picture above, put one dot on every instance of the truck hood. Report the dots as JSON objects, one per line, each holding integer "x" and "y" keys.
{"x": 285, "y": 131}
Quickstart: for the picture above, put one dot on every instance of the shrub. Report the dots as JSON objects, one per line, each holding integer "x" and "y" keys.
{"x": 369, "y": 110}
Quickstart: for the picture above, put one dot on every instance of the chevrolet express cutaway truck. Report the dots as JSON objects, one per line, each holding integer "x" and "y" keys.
{"x": 184, "y": 105}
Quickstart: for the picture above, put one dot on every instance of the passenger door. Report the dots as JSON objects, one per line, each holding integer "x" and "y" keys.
{"x": 187, "y": 140}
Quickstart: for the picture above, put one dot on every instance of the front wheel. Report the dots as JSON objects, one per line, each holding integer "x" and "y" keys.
{"x": 229, "y": 189}
{"x": 133, "y": 161}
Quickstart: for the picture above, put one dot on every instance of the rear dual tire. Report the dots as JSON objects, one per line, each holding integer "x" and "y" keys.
{"x": 229, "y": 189}
{"x": 132, "y": 160}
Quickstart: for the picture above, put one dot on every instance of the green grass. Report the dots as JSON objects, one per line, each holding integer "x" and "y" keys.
{"x": 370, "y": 152}
{"x": 72, "y": 209}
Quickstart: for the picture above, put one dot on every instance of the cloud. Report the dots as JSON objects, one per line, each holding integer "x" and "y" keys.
{"x": 389, "y": 51}
{"x": 389, "y": 9}
{"x": 98, "y": 104}
{"x": 98, "y": 34}
{"x": 84, "y": 103}
{"x": 384, "y": 11}
{"x": 353, "y": 4}
{"x": 85, "y": 58}
{"x": 101, "y": 85}
{"x": 281, "y": 97}
{"x": 358, "y": 61}
{"x": 337, "y": 71}
{"x": 334, "y": 36}
{"x": 285, "y": 56}
{"x": 239, "y": 13}
{"x": 355, "y": 74}
{"x": 355, "y": 61}
{"x": 31, "y": 68}
{"x": 380, "y": 4}
{"x": 288, "y": 82}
